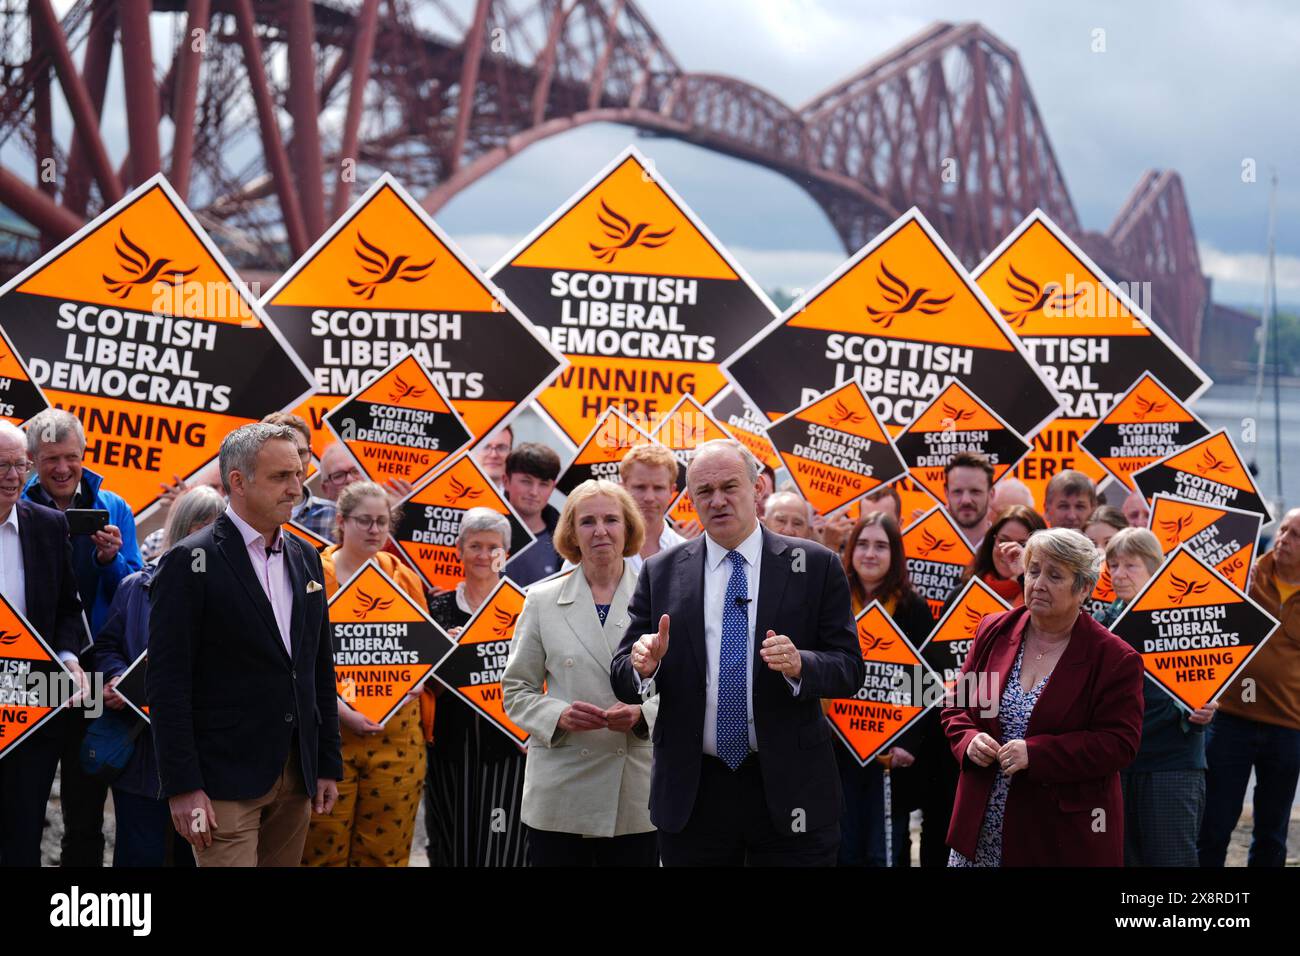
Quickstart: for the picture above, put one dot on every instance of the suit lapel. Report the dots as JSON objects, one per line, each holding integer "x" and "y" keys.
{"x": 580, "y": 614}
{"x": 773, "y": 575}
{"x": 298, "y": 581}
{"x": 34, "y": 584}
{"x": 231, "y": 545}
{"x": 688, "y": 581}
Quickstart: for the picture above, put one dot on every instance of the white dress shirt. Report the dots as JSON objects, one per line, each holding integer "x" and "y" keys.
{"x": 717, "y": 573}
{"x": 272, "y": 572}
{"x": 13, "y": 578}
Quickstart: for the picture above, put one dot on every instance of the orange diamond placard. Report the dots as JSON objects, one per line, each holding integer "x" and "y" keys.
{"x": 34, "y": 682}
{"x": 139, "y": 326}
{"x": 836, "y": 448}
{"x": 400, "y": 425}
{"x": 473, "y": 670}
{"x": 431, "y": 515}
{"x": 643, "y": 300}
{"x": 956, "y": 421}
{"x": 1225, "y": 538}
{"x": 902, "y": 319}
{"x": 946, "y": 648}
{"x": 20, "y": 397}
{"x": 599, "y": 454}
{"x": 1146, "y": 424}
{"x": 745, "y": 424}
{"x": 1210, "y": 471}
{"x": 385, "y": 643}
{"x": 937, "y": 555}
{"x": 1194, "y": 629}
{"x": 1089, "y": 337}
{"x": 899, "y": 687}
{"x": 384, "y": 282}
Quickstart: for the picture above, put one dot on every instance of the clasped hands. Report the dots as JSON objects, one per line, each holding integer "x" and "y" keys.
{"x": 1011, "y": 757}
{"x": 777, "y": 651}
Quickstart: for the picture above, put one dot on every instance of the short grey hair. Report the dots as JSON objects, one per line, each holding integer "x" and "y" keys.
{"x": 1070, "y": 548}
{"x": 201, "y": 505}
{"x": 239, "y": 449}
{"x": 484, "y": 519}
{"x": 51, "y": 427}
{"x": 715, "y": 444}
{"x": 1135, "y": 543}
{"x": 777, "y": 496}
{"x": 10, "y": 430}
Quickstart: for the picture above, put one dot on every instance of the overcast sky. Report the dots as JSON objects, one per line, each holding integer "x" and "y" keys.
{"x": 1196, "y": 86}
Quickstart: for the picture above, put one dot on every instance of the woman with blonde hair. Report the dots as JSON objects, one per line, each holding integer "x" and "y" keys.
{"x": 383, "y": 766}
{"x": 587, "y": 776}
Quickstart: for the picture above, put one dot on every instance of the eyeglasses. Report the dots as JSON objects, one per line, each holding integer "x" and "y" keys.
{"x": 369, "y": 521}
{"x": 20, "y": 466}
{"x": 496, "y": 449}
{"x": 338, "y": 477}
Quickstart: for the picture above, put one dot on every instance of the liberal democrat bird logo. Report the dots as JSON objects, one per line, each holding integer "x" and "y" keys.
{"x": 376, "y": 262}
{"x": 870, "y": 642}
{"x": 401, "y": 390}
{"x": 902, "y": 298}
{"x": 8, "y": 637}
{"x": 1173, "y": 527}
{"x": 973, "y": 618}
{"x": 931, "y": 543}
{"x": 1033, "y": 297}
{"x": 1147, "y": 407}
{"x": 140, "y": 267}
{"x": 367, "y": 603}
{"x": 1185, "y": 589}
{"x": 461, "y": 492}
{"x": 957, "y": 415}
{"x": 1210, "y": 464}
{"x": 504, "y": 621}
{"x": 625, "y": 234}
{"x": 843, "y": 415}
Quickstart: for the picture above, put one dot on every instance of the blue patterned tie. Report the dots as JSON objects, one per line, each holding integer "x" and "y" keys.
{"x": 733, "y": 714}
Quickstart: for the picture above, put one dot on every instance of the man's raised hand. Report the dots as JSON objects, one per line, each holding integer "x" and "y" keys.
{"x": 650, "y": 649}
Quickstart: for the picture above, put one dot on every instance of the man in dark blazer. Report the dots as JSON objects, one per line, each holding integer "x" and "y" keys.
{"x": 762, "y": 630}
{"x": 241, "y": 668}
{"x": 36, "y": 578}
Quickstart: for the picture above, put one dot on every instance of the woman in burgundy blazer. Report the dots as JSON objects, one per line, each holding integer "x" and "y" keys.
{"x": 1051, "y": 792}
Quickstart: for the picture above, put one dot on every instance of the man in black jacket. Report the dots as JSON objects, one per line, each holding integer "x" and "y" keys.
{"x": 36, "y": 578}
{"x": 762, "y": 630}
{"x": 241, "y": 669}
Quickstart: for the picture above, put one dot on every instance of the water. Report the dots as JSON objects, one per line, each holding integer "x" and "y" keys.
{"x": 1233, "y": 407}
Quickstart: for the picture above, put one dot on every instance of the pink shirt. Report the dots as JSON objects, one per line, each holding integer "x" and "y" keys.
{"x": 272, "y": 573}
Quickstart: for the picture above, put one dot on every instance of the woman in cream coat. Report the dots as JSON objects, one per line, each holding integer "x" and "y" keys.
{"x": 587, "y": 777}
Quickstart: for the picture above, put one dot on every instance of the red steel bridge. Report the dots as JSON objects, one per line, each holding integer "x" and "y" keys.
{"x": 269, "y": 117}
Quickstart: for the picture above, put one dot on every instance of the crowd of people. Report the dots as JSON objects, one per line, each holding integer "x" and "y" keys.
{"x": 673, "y": 681}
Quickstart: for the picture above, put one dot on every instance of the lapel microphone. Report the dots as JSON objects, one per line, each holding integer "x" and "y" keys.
{"x": 741, "y": 602}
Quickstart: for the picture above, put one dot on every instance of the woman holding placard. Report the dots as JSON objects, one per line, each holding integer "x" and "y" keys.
{"x": 877, "y": 571}
{"x": 383, "y": 767}
{"x": 1164, "y": 788}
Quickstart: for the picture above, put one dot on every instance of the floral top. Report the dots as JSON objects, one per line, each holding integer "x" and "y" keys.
{"x": 1013, "y": 715}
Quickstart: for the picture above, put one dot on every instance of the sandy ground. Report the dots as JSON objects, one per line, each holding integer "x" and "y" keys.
{"x": 419, "y": 857}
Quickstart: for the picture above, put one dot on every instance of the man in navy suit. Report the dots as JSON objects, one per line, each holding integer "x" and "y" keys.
{"x": 36, "y": 578}
{"x": 241, "y": 668}
{"x": 762, "y": 630}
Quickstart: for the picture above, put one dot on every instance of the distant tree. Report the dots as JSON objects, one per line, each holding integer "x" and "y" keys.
{"x": 1288, "y": 330}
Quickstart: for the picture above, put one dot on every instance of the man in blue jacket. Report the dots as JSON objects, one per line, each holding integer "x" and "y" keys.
{"x": 56, "y": 445}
